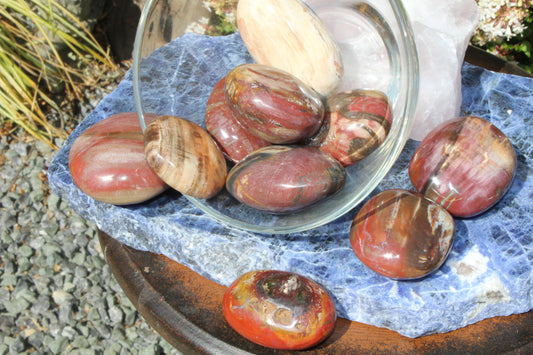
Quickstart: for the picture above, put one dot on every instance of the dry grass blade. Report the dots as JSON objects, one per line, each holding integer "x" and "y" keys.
{"x": 30, "y": 64}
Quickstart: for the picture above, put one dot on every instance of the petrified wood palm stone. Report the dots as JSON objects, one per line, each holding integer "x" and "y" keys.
{"x": 279, "y": 309}
{"x": 273, "y": 104}
{"x": 402, "y": 234}
{"x": 288, "y": 35}
{"x": 282, "y": 179}
{"x": 235, "y": 141}
{"x": 466, "y": 165}
{"x": 355, "y": 124}
{"x": 107, "y": 162}
{"x": 185, "y": 156}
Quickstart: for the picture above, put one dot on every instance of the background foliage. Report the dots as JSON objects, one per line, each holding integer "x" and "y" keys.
{"x": 505, "y": 30}
{"x": 48, "y": 57}
{"x": 45, "y": 53}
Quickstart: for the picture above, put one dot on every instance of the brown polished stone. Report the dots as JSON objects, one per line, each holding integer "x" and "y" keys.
{"x": 279, "y": 309}
{"x": 236, "y": 142}
{"x": 185, "y": 156}
{"x": 272, "y": 104}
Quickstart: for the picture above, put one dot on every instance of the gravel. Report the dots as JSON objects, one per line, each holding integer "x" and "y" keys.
{"x": 57, "y": 294}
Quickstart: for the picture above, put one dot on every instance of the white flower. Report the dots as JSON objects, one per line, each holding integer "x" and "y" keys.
{"x": 500, "y": 19}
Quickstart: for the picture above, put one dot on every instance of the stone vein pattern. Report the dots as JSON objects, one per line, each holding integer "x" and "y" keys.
{"x": 489, "y": 271}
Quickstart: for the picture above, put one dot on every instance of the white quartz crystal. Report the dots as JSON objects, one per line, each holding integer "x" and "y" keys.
{"x": 442, "y": 32}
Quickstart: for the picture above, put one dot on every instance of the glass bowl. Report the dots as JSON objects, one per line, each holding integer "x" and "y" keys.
{"x": 175, "y": 67}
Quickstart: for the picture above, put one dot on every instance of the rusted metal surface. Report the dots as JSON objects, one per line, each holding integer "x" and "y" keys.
{"x": 185, "y": 309}
{"x": 491, "y": 62}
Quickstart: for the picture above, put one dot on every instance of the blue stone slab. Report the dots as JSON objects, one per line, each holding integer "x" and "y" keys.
{"x": 488, "y": 273}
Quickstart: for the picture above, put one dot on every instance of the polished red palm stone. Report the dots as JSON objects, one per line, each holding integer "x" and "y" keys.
{"x": 235, "y": 141}
{"x": 281, "y": 179}
{"x": 402, "y": 235}
{"x": 107, "y": 162}
{"x": 356, "y": 123}
{"x": 466, "y": 165}
{"x": 279, "y": 309}
{"x": 273, "y": 104}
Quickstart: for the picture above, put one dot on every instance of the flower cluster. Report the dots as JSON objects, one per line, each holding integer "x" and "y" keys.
{"x": 223, "y": 16}
{"x": 219, "y": 19}
{"x": 500, "y": 20}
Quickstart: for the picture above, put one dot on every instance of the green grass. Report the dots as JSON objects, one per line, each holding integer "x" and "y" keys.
{"x": 31, "y": 68}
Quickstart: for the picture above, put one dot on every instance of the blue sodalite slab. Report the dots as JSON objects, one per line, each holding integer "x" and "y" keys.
{"x": 489, "y": 272}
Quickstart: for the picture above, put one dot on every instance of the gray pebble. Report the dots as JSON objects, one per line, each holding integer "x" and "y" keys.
{"x": 69, "y": 287}
{"x": 16, "y": 306}
{"x": 36, "y": 340}
{"x": 8, "y": 279}
{"x": 53, "y": 202}
{"x": 115, "y": 314}
{"x": 20, "y": 148}
{"x": 25, "y": 251}
{"x": 41, "y": 305}
{"x": 58, "y": 345}
{"x": 50, "y": 248}
{"x": 9, "y": 267}
{"x": 17, "y": 346}
{"x": 69, "y": 332}
{"x": 61, "y": 297}
{"x": 4, "y": 295}
{"x": 36, "y": 242}
{"x": 6, "y": 322}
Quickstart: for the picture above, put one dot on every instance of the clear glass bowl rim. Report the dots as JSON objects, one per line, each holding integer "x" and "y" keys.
{"x": 409, "y": 59}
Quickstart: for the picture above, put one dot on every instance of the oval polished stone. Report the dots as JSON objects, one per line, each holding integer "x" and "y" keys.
{"x": 356, "y": 123}
{"x": 185, "y": 156}
{"x": 402, "y": 235}
{"x": 279, "y": 309}
{"x": 107, "y": 162}
{"x": 465, "y": 164}
{"x": 288, "y": 35}
{"x": 272, "y": 104}
{"x": 285, "y": 178}
{"x": 235, "y": 141}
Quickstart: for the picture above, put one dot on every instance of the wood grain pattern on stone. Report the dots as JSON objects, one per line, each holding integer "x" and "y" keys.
{"x": 273, "y": 104}
{"x": 287, "y": 34}
{"x": 234, "y": 140}
{"x": 185, "y": 156}
{"x": 402, "y": 235}
{"x": 465, "y": 164}
{"x": 355, "y": 124}
{"x": 107, "y": 162}
{"x": 282, "y": 179}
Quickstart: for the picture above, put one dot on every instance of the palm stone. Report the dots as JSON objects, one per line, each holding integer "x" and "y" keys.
{"x": 107, "y": 162}
{"x": 465, "y": 164}
{"x": 273, "y": 104}
{"x": 355, "y": 124}
{"x": 281, "y": 179}
{"x": 402, "y": 235}
{"x": 279, "y": 309}
{"x": 235, "y": 141}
